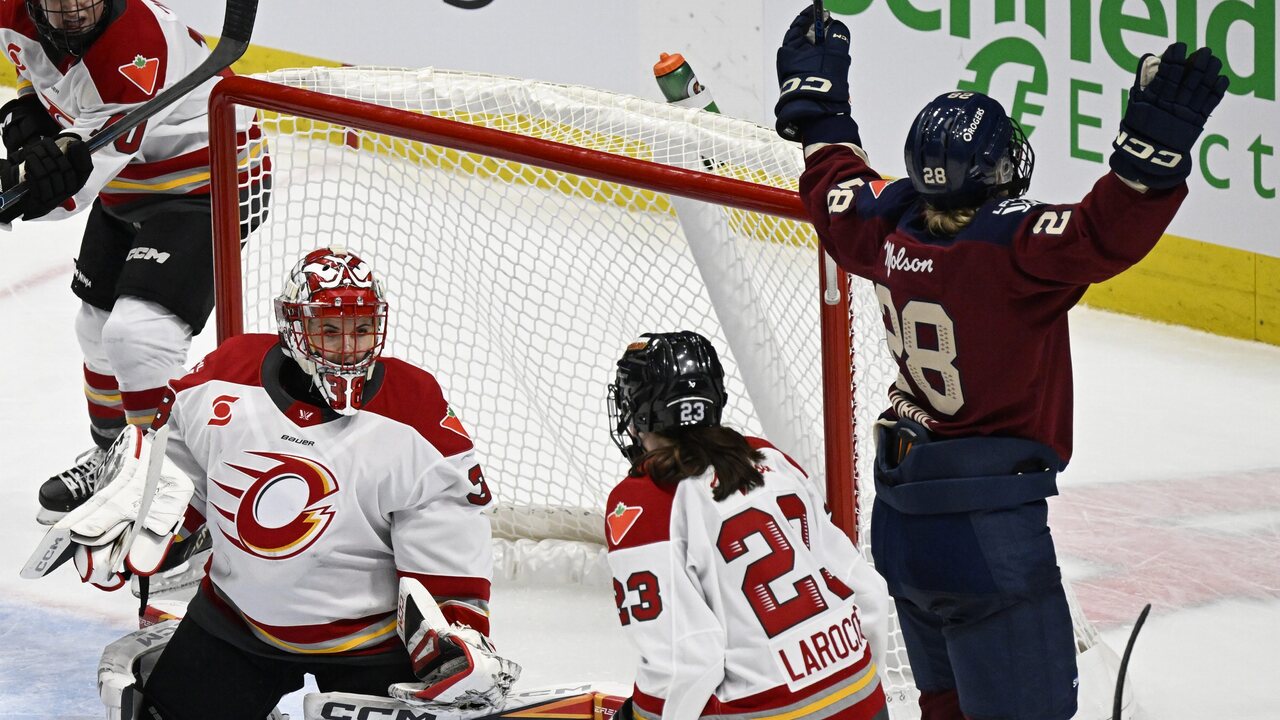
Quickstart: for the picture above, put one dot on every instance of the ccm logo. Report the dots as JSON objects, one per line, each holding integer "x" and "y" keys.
{"x": 812, "y": 84}
{"x": 1145, "y": 151}
{"x": 146, "y": 253}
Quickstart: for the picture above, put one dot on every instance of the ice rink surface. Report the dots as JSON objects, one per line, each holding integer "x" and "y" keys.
{"x": 1173, "y": 498}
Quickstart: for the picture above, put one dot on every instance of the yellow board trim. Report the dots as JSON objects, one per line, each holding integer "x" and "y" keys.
{"x": 1209, "y": 287}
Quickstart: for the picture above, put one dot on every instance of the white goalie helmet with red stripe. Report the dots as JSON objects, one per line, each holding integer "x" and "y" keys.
{"x": 332, "y": 318}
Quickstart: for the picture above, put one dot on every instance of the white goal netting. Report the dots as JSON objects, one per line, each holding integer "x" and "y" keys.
{"x": 519, "y": 287}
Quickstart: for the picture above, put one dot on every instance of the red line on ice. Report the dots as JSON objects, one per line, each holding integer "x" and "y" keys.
{"x": 40, "y": 278}
{"x": 1171, "y": 542}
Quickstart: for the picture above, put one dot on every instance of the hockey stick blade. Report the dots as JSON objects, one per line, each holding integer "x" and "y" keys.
{"x": 237, "y": 26}
{"x": 560, "y": 702}
{"x": 156, "y": 460}
{"x": 1124, "y": 663}
{"x": 55, "y": 548}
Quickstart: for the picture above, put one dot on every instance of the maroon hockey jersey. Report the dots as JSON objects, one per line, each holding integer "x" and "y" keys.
{"x": 978, "y": 322}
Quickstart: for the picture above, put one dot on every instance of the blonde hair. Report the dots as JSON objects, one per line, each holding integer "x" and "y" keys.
{"x": 947, "y": 222}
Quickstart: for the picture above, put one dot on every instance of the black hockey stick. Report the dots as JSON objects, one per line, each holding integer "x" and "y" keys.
{"x": 237, "y": 26}
{"x": 819, "y": 15}
{"x": 1124, "y": 663}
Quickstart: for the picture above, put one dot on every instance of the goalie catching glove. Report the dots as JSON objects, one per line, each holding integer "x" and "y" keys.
{"x": 131, "y": 519}
{"x": 458, "y": 666}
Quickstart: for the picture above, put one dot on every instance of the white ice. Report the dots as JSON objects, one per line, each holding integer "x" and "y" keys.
{"x": 1173, "y": 497}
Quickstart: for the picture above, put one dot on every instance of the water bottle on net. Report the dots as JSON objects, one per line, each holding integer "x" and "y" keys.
{"x": 680, "y": 86}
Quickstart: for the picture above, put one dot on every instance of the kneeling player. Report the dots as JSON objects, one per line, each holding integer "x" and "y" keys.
{"x": 741, "y": 595}
{"x": 328, "y": 476}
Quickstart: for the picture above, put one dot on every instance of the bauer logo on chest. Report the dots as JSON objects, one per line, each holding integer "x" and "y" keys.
{"x": 284, "y": 510}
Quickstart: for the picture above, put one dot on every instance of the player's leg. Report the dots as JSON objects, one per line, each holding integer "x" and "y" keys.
{"x": 1018, "y": 662}
{"x": 365, "y": 676}
{"x": 164, "y": 297}
{"x": 103, "y": 249}
{"x": 921, "y": 628}
{"x": 201, "y": 677}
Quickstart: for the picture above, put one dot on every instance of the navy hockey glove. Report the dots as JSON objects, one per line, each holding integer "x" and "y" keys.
{"x": 54, "y": 169}
{"x": 813, "y": 77}
{"x": 25, "y": 119}
{"x": 1171, "y": 98}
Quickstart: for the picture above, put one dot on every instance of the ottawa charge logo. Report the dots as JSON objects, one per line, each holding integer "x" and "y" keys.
{"x": 284, "y": 511}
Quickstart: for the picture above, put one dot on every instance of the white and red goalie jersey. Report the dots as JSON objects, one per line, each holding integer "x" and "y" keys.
{"x": 140, "y": 53}
{"x": 314, "y": 516}
{"x": 756, "y": 605}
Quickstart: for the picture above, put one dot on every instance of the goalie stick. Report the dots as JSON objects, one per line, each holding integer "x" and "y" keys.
{"x": 559, "y": 702}
{"x": 237, "y": 26}
{"x": 156, "y": 460}
{"x": 1124, "y": 663}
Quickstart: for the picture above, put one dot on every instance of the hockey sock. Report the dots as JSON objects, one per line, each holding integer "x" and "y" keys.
{"x": 140, "y": 405}
{"x": 106, "y": 412}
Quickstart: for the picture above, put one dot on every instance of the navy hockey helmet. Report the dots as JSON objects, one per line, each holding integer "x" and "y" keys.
{"x": 71, "y": 26}
{"x": 665, "y": 381}
{"x": 963, "y": 149}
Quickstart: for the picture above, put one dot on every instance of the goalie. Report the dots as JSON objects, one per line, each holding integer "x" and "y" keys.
{"x": 329, "y": 477}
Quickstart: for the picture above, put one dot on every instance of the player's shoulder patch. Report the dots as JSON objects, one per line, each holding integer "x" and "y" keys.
{"x": 638, "y": 512}
{"x": 130, "y": 61}
{"x": 413, "y": 396}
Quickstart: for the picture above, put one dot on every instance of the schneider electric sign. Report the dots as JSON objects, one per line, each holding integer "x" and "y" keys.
{"x": 1064, "y": 68}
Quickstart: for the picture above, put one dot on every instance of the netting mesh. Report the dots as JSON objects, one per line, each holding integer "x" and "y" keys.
{"x": 519, "y": 287}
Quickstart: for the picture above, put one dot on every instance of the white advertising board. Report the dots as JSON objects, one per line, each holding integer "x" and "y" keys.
{"x": 1063, "y": 68}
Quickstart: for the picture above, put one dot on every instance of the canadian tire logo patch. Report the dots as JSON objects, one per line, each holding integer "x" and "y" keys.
{"x": 142, "y": 72}
{"x": 452, "y": 422}
{"x": 621, "y": 520}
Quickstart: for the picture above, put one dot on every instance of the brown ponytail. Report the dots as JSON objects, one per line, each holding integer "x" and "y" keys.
{"x": 694, "y": 449}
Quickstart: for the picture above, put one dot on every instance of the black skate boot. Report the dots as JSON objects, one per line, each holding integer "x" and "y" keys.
{"x": 68, "y": 490}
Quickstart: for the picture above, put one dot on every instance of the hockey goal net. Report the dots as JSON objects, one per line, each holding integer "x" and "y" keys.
{"x": 526, "y": 233}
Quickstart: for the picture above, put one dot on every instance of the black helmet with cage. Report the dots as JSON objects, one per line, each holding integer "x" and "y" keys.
{"x": 665, "y": 381}
{"x": 71, "y": 26}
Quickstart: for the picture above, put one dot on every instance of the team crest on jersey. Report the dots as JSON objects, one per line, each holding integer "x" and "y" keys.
{"x": 621, "y": 520}
{"x": 284, "y": 511}
{"x": 451, "y": 422}
{"x": 143, "y": 72}
{"x": 221, "y": 411}
{"x": 877, "y": 186}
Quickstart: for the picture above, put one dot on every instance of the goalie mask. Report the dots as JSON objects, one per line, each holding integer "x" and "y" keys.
{"x": 332, "y": 318}
{"x": 963, "y": 149}
{"x": 665, "y": 381}
{"x": 70, "y": 26}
